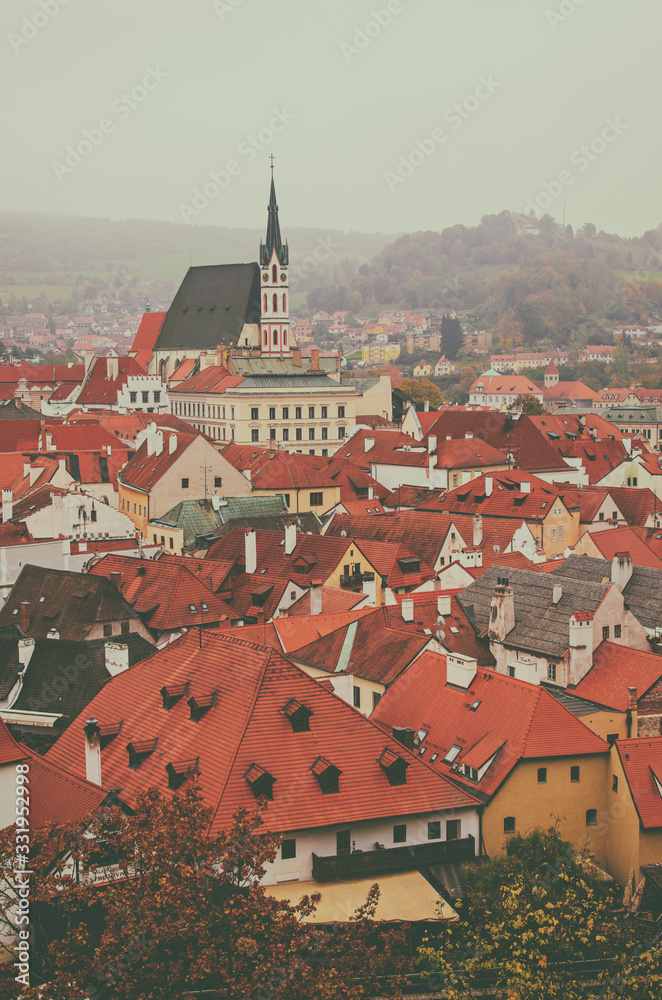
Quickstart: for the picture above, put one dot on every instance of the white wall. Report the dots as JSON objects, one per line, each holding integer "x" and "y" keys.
{"x": 71, "y": 516}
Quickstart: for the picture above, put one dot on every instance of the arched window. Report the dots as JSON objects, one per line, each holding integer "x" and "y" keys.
{"x": 275, "y": 303}
{"x": 275, "y": 336}
{"x": 265, "y": 303}
{"x": 284, "y": 303}
{"x": 274, "y": 274}
{"x": 266, "y": 338}
{"x": 285, "y": 337}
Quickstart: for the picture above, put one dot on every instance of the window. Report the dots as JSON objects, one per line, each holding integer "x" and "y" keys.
{"x": 342, "y": 842}
{"x": 145, "y": 397}
{"x": 400, "y": 833}
{"x": 614, "y": 783}
{"x": 574, "y": 772}
{"x": 553, "y": 534}
{"x": 287, "y": 499}
{"x": 452, "y": 829}
{"x": 255, "y": 411}
{"x": 542, "y": 775}
{"x": 511, "y": 671}
{"x": 325, "y": 452}
{"x": 617, "y": 631}
{"x": 357, "y": 697}
{"x": 325, "y": 412}
{"x": 634, "y": 481}
{"x": 297, "y": 413}
{"x": 125, "y": 628}
{"x": 272, "y": 413}
{"x": 311, "y": 412}
{"x": 107, "y": 630}
{"x": 286, "y": 434}
{"x": 341, "y": 433}
{"x": 311, "y": 451}
{"x": 93, "y": 515}
{"x": 133, "y": 397}
{"x": 171, "y": 542}
{"x": 376, "y": 697}
{"x": 316, "y": 499}
{"x": 272, "y": 433}
{"x": 508, "y": 824}
{"x": 434, "y": 830}
{"x": 560, "y": 533}
{"x": 341, "y": 412}
{"x": 286, "y": 413}
{"x": 184, "y": 484}
{"x": 551, "y": 671}
{"x": 311, "y": 433}
{"x": 157, "y": 397}
{"x": 601, "y": 516}
{"x": 218, "y": 481}
{"x": 255, "y": 435}
{"x": 452, "y": 754}
{"x": 591, "y": 817}
{"x": 611, "y": 738}
{"x": 605, "y": 631}
{"x": 325, "y": 434}
{"x": 288, "y": 849}
{"x": 298, "y": 434}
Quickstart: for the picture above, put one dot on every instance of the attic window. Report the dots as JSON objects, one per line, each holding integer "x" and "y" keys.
{"x": 475, "y": 706}
{"x": 200, "y": 706}
{"x": 140, "y": 751}
{"x": 395, "y": 766}
{"x": 192, "y": 608}
{"x": 42, "y": 599}
{"x": 299, "y": 716}
{"x": 172, "y": 694}
{"x": 179, "y": 771}
{"x": 452, "y": 754}
{"x": 327, "y": 775}
{"x": 433, "y": 757}
{"x": 410, "y": 565}
{"x": 109, "y": 732}
{"x": 261, "y": 782}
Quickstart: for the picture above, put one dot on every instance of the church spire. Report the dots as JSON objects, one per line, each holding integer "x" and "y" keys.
{"x": 273, "y": 242}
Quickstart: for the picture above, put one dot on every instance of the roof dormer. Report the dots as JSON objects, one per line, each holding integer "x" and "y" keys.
{"x": 394, "y": 766}
{"x": 200, "y": 706}
{"x": 298, "y": 715}
{"x": 180, "y": 771}
{"x": 173, "y": 693}
{"x": 140, "y": 750}
{"x": 327, "y": 775}
{"x": 261, "y": 782}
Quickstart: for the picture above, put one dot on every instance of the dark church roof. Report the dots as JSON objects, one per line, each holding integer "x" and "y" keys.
{"x": 211, "y": 307}
{"x": 274, "y": 241}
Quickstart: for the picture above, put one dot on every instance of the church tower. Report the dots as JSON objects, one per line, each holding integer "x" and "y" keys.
{"x": 275, "y": 333}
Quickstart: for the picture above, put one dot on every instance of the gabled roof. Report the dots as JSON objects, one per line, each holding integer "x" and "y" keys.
{"x": 589, "y": 502}
{"x": 333, "y": 602}
{"x": 569, "y": 390}
{"x": 314, "y": 557}
{"x": 144, "y": 471}
{"x": 599, "y": 458}
{"x": 513, "y": 720}
{"x": 642, "y": 593}
{"x": 211, "y": 307}
{"x": 458, "y": 633}
{"x": 58, "y": 796}
{"x": 253, "y": 593}
{"x": 635, "y": 504}
{"x": 615, "y": 669}
{"x": 519, "y": 437}
{"x": 100, "y": 388}
{"x": 247, "y": 728}
{"x": 625, "y": 539}
{"x": 11, "y": 752}
{"x": 396, "y": 563}
{"x": 148, "y": 332}
{"x": 215, "y": 378}
{"x": 507, "y": 499}
{"x": 423, "y": 534}
{"x": 164, "y": 591}
{"x": 279, "y": 470}
{"x": 641, "y": 760}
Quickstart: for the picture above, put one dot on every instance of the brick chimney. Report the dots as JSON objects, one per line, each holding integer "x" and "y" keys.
{"x": 502, "y": 611}
{"x": 92, "y": 751}
{"x": 316, "y": 597}
{"x": 631, "y": 718}
{"x": 315, "y": 360}
{"x": 406, "y": 737}
{"x": 25, "y": 651}
{"x": 621, "y": 569}
{"x": 580, "y": 645}
{"x": 24, "y": 616}
{"x": 116, "y": 579}
{"x": 296, "y": 358}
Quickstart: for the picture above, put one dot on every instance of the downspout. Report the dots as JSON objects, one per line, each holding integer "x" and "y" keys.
{"x": 481, "y": 843}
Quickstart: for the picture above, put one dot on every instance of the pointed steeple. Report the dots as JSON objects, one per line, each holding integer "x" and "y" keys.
{"x": 273, "y": 241}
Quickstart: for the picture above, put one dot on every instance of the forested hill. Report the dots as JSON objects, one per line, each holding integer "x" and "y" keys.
{"x": 534, "y": 277}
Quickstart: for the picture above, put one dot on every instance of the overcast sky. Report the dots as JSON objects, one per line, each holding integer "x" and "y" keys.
{"x": 390, "y": 115}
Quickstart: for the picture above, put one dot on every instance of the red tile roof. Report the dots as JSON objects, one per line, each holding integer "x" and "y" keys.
{"x": 278, "y": 470}
{"x": 625, "y": 539}
{"x": 524, "y": 719}
{"x": 422, "y": 534}
{"x": 507, "y": 500}
{"x": 315, "y": 556}
{"x": 599, "y": 458}
{"x": 642, "y": 763}
{"x": 144, "y": 471}
{"x": 635, "y": 504}
{"x": 519, "y": 437}
{"x": 569, "y": 390}
{"x": 212, "y": 379}
{"x": 10, "y": 750}
{"x": 615, "y": 669}
{"x": 148, "y": 332}
{"x": 58, "y": 796}
{"x": 245, "y": 728}
{"x": 333, "y": 602}
{"x": 459, "y": 635}
{"x": 100, "y": 389}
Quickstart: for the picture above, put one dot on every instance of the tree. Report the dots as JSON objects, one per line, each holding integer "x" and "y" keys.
{"x": 420, "y": 390}
{"x": 177, "y": 910}
{"x": 528, "y": 404}
{"x": 451, "y": 337}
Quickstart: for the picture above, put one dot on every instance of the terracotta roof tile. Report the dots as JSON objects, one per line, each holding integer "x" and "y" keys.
{"x": 642, "y": 762}
{"x": 615, "y": 669}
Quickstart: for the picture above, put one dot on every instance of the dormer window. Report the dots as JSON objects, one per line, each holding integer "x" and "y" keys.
{"x": 139, "y": 750}
{"x": 410, "y": 565}
{"x": 108, "y": 733}
{"x": 395, "y": 767}
{"x": 179, "y": 771}
{"x": 261, "y": 782}
{"x": 171, "y": 695}
{"x": 200, "y": 706}
{"x": 327, "y": 775}
{"x": 298, "y": 715}
{"x": 452, "y": 754}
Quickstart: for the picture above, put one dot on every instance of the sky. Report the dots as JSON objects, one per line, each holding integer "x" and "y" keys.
{"x": 382, "y": 115}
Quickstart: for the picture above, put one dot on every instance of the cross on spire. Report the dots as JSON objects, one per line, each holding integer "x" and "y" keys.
{"x": 272, "y": 158}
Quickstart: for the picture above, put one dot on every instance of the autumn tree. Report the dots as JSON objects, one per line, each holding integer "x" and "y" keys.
{"x": 173, "y": 910}
{"x": 421, "y": 389}
{"x": 528, "y": 404}
{"x": 451, "y": 337}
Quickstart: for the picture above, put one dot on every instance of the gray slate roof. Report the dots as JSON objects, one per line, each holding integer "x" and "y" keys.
{"x": 540, "y": 626}
{"x": 642, "y": 594}
{"x": 211, "y": 307}
{"x": 198, "y": 519}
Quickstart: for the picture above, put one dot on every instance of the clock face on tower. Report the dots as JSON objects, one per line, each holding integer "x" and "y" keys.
{"x": 283, "y": 277}
{"x": 265, "y": 276}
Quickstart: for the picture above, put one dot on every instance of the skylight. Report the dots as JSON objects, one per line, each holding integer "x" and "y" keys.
{"x": 475, "y": 705}
{"x": 192, "y": 608}
{"x": 452, "y": 754}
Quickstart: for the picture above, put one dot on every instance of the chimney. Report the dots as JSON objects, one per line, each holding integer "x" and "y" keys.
{"x": 557, "y": 593}
{"x": 502, "y": 614}
{"x": 406, "y": 737}
{"x": 408, "y": 610}
{"x": 631, "y": 719}
{"x": 489, "y": 486}
{"x": 371, "y": 493}
{"x": 426, "y": 406}
{"x": 460, "y": 670}
{"x": 26, "y": 470}
{"x": 117, "y": 657}
{"x": 432, "y": 444}
{"x": 92, "y": 752}
{"x": 229, "y": 367}
{"x": 24, "y": 616}
{"x": 7, "y": 506}
{"x": 158, "y": 442}
{"x": 25, "y": 651}
{"x": 443, "y": 606}
{"x": 370, "y": 589}
{"x": 477, "y": 530}
{"x": 49, "y": 442}
{"x": 315, "y": 360}
{"x": 296, "y": 358}
{"x": 250, "y": 550}
{"x": 525, "y": 487}
{"x": 53, "y": 634}
{"x": 290, "y": 538}
{"x": 216, "y": 502}
{"x": 368, "y": 444}
{"x": 316, "y": 597}
{"x": 151, "y": 438}
{"x": 172, "y": 444}
{"x": 468, "y": 435}
{"x": 580, "y": 645}
{"x": 113, "y": 368}
{"x": 220, "y": 355}
{"x": 621, "y": 569}
{"x": 115, "y": 578}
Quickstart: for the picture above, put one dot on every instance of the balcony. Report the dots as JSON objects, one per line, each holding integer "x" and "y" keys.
{"x": 365, "y": 864}
{"x": 351, "y": 580}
